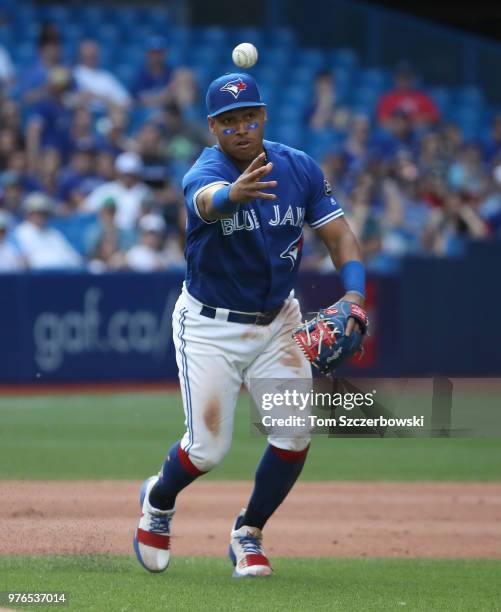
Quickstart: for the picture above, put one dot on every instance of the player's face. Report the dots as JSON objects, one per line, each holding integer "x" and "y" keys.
{"x": 240, "y": 132}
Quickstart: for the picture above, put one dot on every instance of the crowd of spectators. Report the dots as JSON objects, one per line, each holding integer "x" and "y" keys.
{"x": 90, "y": 169}
{"x": 409, "y": 181}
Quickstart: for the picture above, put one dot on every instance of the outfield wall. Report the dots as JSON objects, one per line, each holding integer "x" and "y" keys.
{"x": 434, "y": 317}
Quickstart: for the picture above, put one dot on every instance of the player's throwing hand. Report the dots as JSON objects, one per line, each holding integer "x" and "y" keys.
{"x": 248, "y": 186}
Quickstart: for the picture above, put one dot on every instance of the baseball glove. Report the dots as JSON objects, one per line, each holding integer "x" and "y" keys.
{"x": 322, "y": 338}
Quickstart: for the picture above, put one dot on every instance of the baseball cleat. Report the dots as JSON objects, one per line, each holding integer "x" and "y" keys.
{"x": 152, "y": 536}
{"x": 246, "y": 551}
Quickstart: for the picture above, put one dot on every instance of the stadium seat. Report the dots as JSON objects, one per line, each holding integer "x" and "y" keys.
{"x": 366, "y": 97}
{"x": 296, "y": 95}
{"x": 157, "y": 17}
{"x": 251, "y": 35}
{"x": 179, "y": 37}
{"x": 291, "y": 135}
{"x": 290, "y": 113}
{"x": 277, "y": 58}
{"x": 314, "y": 59}
{"x": 441, "y": 96}
{"x": 126, "y": 74}
{"x": 176, "y": 56}
{"x": 213, "y": 35}
{"x": 344, "y": 57}
{"x": 203, "y": 54}
{"x": 24, "y": 55}
{"x": 374, "y": 78}
{"x": 282, "y": 37}
{"x": 56, "y": 13}
{"x": 301, "y": 76}
{"x": 320, "y": 142}
{"x": 470, "y": 95}
{"x": 91, "y": 16}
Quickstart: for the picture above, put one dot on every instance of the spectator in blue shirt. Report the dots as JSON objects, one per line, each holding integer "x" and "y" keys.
{"x": 78, "y": 178}
{"x": 49, "y": 123}
{"x": 151, "y": 88}
{"x": 33, "y": 82}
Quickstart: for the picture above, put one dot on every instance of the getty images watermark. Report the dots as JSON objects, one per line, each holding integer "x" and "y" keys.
{"x": 403, "y": 407}
{"x": 292, "y": 410}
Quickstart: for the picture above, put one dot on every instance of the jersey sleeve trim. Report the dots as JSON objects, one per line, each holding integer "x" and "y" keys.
{"x": 330, "y": 217}
{"x": 199, "y": 191}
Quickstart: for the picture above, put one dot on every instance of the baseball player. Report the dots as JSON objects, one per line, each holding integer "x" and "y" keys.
{"x": 247, "y": 200}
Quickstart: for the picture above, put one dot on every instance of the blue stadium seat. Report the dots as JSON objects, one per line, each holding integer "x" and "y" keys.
{"x": 107, "y": 35}
{"x": 127, "y": 18}
{"x": 91, "y": 16}
{"x": 251, "y": 35}
{"x": 265, "y": 74}
{"x": 344, "y": 57}
{"x": 6, "y": 37}
{"x": 203, "y": 54}
{"x": 291, "y": 135}
{"x": 268, "y": 95}
{"x": 297, "y": 95}
{"x": 158, "y": 16}
{"x": 366, "y": 96}
{"x": 56, "y": 13}
{"x": 133, "y": 54}
{"x": 203, "y": 75}
{"x": 467, "y": 114}
{"x": 24, "y": 33}
{"x": 282, "y": 37}
{"x": 23, "y": 55}
{"x": 301, "y": 76}
{"x": 140, "y": 35}
{"x": 126, "y": 74}
{"x": 213, "y": 35}
{"x": 290, "y": 113}
{"x": 176, "y": 56}
{"x": 319, "y": 143}
{"x": 470, "y": 95}
{"x": 441, "y": 96}
{"x": 375, "y": 78}
{"x": 277, "y": 58}
{"x": 313, "y": 59}
{"x": 179, "y": 37}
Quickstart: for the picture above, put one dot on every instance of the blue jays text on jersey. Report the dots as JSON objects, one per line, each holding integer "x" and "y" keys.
{"x": 249, "y": 262}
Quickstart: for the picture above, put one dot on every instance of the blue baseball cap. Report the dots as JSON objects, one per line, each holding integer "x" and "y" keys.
{"x": 233, "y": 90}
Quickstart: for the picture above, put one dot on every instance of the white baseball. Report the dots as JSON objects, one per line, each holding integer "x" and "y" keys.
{"x": 244, "y": 55}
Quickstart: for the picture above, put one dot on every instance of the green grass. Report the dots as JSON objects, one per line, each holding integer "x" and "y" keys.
{"x": 118, "y": 583}
{"x": 126, "y": 436}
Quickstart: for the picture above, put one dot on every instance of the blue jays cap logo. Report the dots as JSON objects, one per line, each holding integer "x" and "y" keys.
{"x": 234, "y": 87}
{"x": 242, "y": 88}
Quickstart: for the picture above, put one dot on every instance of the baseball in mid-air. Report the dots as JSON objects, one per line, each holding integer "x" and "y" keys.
{"x": 244, "y": 55}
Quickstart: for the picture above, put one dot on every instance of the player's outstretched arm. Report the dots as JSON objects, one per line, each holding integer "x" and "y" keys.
{"x": 220, "y": 201}
{"x": 343, "y": 248}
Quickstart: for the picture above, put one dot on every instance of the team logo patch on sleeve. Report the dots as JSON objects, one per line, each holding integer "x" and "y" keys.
{"x": 327, "y": 188}
{"x": 234, "y": 87}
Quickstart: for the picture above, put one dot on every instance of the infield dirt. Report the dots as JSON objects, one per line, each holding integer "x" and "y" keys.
{"x": 334, "y": 519}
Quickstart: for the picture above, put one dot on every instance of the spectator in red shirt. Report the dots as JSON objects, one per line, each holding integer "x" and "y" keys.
{"x": 416, "y": 104}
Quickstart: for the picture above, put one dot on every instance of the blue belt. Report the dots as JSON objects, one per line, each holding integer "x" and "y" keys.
{"x": 262, "y": 318}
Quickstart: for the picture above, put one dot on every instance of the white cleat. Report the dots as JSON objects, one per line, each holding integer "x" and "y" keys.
{"x": 152, "y": 536}
{"x": 246, "y": 551}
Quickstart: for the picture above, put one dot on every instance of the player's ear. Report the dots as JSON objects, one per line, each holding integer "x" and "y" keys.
{"x": 212, "y": 123}
{"x": 265, "y": 115}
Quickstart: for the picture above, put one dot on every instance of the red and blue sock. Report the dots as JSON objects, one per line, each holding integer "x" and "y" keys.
{"x": 276, "y": 473}
{"x": 176, "y": 474}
